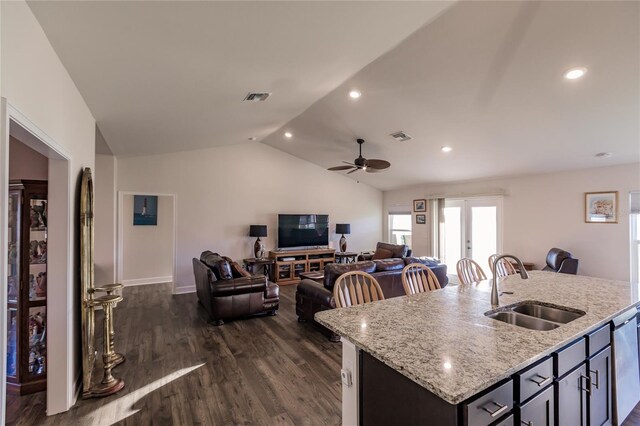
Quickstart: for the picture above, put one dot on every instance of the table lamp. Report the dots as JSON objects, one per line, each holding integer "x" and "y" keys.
{"x": 343, "y": 228}
{"x": 258, "y": 231}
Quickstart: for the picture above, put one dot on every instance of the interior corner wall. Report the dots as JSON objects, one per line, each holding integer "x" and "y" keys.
{"x": 147, "y": 251}
{"x": 36, "y": 83}
{"x": 105, "y": 219}
{"x": 221, "y": 191}
{"x": 25, "y": 163}
{"x": 548, "y": 210}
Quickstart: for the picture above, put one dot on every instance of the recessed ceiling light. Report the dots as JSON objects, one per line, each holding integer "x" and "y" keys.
{"x": 575, "y": 73}
{"x": 252, "y": 138}
{"x": 447, "y": 365}
{"x": 446, "y": 149}
{"x": 603, "y": 155}
{"x": 288, "y": 135}
{"x": 355, "y": 94}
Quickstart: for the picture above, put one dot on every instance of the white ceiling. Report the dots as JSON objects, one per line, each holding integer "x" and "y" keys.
{"x": 482, "y": 77}
{"x": 170, "y": 76}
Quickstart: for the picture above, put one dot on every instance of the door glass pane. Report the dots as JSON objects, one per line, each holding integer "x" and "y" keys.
{"x": 37, "y": 340}
{"x": 452, "y": 236}
{"x": 483, "y": 233}
{"x": 12, "y": 340}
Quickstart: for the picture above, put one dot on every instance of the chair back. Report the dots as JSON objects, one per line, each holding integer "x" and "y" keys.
{"x": 356, "y": 288}
{"x": 418, "y": 278}
{"x": 504, "y": 266}
{"x": 469, "y": 271}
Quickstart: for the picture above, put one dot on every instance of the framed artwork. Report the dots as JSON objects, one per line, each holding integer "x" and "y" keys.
{"x": 419, "y": 205}
{"x": 421, "y": 219}
{"x": 145, "y": 210}
{"x": 601, "y": 207}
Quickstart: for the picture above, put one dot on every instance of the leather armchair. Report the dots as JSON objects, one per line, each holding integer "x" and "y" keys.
{"x": 226, "y": 291}
{"x": 561, "y": 261}
{"x": 386, "y": 251}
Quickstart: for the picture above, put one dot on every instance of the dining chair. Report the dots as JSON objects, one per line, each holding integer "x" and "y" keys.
{"x": 469, "y": 271}
{"x": 418, "y": 278}
{"x": 356, "y": 288}
{"x": 504, "y": 266}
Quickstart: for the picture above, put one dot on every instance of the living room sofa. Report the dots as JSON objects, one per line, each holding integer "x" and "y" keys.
{"x": 227, "y": 291}
{"x": 312, "y": 296}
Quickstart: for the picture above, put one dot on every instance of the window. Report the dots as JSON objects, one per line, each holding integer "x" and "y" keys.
{"x": 400, "y": 228}
{"x": 634, "y": 222}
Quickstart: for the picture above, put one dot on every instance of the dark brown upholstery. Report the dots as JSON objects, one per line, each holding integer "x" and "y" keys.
{"x": 386, "y": 251}
{"x": 561, "y": 261}
{"x": 233, "y": 297}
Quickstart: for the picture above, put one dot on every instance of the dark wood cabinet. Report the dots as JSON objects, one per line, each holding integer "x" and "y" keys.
{"x": 600, "y": 400}
{"x": 571, "y": 397}
{"x": 27, "y": 287}
{"x": 539, "y": 411}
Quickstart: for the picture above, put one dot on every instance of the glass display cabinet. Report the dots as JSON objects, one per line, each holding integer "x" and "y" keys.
{"x": 27, "y": 287}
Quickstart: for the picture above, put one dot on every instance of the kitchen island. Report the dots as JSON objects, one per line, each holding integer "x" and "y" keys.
{"x": 452, "y": 353}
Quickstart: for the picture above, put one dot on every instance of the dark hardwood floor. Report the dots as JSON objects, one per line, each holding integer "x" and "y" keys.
{"x": 181, "y": 370}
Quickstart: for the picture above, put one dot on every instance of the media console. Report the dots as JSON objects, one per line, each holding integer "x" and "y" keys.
{"x": 291, "y": 263}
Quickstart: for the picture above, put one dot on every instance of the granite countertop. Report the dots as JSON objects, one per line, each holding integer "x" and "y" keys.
{"x": 443, "y": 341}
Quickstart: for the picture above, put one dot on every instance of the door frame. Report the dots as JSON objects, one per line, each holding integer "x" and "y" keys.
{"x": 120, "y": 230}
{"x": 60, "y": 306}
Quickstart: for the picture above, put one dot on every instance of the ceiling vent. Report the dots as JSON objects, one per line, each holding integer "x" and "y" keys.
{"x": 256, "y": 97}
{"x": 400, "y": 136}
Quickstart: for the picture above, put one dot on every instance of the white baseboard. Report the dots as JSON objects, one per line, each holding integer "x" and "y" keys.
{"x": 145, "y": 281}
{"x": 184, "y": 290}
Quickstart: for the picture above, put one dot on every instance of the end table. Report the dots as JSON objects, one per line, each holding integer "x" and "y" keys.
{"x": 346, "y": 257}
{"x": 252, "y": 263}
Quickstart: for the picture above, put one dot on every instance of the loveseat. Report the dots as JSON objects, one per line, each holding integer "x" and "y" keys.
{"x": 312, "y": 296}
{"x": 227, "y": 291}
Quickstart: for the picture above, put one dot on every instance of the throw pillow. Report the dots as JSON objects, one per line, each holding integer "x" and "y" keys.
{"x": 382, "y": 253}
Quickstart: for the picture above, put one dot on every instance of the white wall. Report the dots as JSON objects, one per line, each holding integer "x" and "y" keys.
{"x": 25, "y": 163}
{"x": 35, "y": 82}
{"x": 221, "y": 191}
{"x": 105, "y": 219}
{"x": 545, "y": 211}
{"x": 147, "y": 251}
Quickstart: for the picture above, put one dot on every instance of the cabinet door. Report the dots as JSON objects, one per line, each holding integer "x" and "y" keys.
{"x": 571, "y": 398}
{"x": 539, "y": 411}
{"x": 600, "y": 398}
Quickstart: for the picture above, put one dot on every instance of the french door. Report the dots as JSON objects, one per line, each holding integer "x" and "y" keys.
{"x": 472, "y": 228}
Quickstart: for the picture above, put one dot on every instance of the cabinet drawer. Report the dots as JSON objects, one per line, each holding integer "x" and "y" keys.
{"x": 506, "y": 422}
{"x": 539, "y": 411}
{"x": 598, "y": 339}
{"x": 567, "y": 358}
{"x": 534, "y": 379}
{"x": 489, "y": 407}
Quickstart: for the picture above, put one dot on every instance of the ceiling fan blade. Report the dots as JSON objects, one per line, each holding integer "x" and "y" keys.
{"x": 340, "y": 168}
{"x": 377, "y": 164}
{"x": 351, "y": 164}
{"x": 354, "y": 170}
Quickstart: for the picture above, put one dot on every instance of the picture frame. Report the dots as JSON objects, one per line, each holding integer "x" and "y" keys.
{"x": 419, "y": 205}
{"x": 421, "y": 219}
{"x": 145, "y": 210}
{"x": 601, "y": 207}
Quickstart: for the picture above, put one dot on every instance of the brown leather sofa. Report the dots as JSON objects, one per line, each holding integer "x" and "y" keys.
{"x": 387, "y": 251}
{"x": 312, "y": 297}
{"x": 227, "y": 291}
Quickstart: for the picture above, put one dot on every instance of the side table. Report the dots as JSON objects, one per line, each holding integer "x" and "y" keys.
{"x": 252, "y": 263}
{"x": 346, "y": 257}
{"x": 317, "y": 276}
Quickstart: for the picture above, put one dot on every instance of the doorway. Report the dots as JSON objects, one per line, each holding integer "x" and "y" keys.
{"x": 473, "y": 229}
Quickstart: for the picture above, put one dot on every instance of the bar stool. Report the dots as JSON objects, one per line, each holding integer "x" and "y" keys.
{"x": 109, "y": 384}
{"x": 118, "y": 358}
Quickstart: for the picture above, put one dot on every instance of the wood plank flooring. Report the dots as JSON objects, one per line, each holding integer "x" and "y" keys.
{"x": 180, "y": 370}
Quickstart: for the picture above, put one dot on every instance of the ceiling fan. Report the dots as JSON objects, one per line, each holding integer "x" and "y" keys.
{"x": 361, "y": 163}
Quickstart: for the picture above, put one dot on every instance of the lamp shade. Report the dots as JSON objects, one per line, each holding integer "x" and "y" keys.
{"x": 258, "y": 231}
{"x": 343, "y": 228}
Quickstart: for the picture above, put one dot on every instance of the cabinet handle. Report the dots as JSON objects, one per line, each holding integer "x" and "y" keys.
{"x": 541, "y": 380}
{"x": 597, "y": 383}
{"x": 501, "y": 408}
{"x": 588, "y": 379}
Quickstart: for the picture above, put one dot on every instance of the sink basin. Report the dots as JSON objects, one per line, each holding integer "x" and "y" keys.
{"x": 547, "y": 312}
{"x": 535, "y": 316}
{"x": 522, "y": 320}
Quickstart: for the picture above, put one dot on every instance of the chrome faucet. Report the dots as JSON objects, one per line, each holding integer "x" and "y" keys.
{"x": 495, "y": 300}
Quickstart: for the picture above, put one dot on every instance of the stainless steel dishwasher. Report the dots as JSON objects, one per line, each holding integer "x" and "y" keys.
{"x": 626, "y": 370}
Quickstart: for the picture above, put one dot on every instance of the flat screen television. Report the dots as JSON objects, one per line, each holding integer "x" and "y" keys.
{"x": 303, "y": 230}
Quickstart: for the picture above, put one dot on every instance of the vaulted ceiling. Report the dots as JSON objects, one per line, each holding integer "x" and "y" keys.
{"x": 485, "y": 78}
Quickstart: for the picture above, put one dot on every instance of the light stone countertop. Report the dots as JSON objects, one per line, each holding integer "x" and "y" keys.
{"x": 443, "y": 341}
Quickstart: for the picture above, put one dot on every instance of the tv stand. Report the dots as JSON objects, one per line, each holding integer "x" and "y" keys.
{"x": 288, "y": 265}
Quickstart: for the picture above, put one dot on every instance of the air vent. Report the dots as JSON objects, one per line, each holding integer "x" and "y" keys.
{"x": 256, "y": 97}
{"x": 400, "y": 136}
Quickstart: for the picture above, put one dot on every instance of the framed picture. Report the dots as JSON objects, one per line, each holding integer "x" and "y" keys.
{"x": 421, "y": 219}
{"x": 419, "y": 205}
{"x": 601, "y": 207}
{"x": 145, "y": 210}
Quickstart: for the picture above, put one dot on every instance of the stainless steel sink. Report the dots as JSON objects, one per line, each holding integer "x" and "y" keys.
{"x": 548, "y": 313}
{"x": 535, "y": 316}
{"x": 522, "y": 320}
